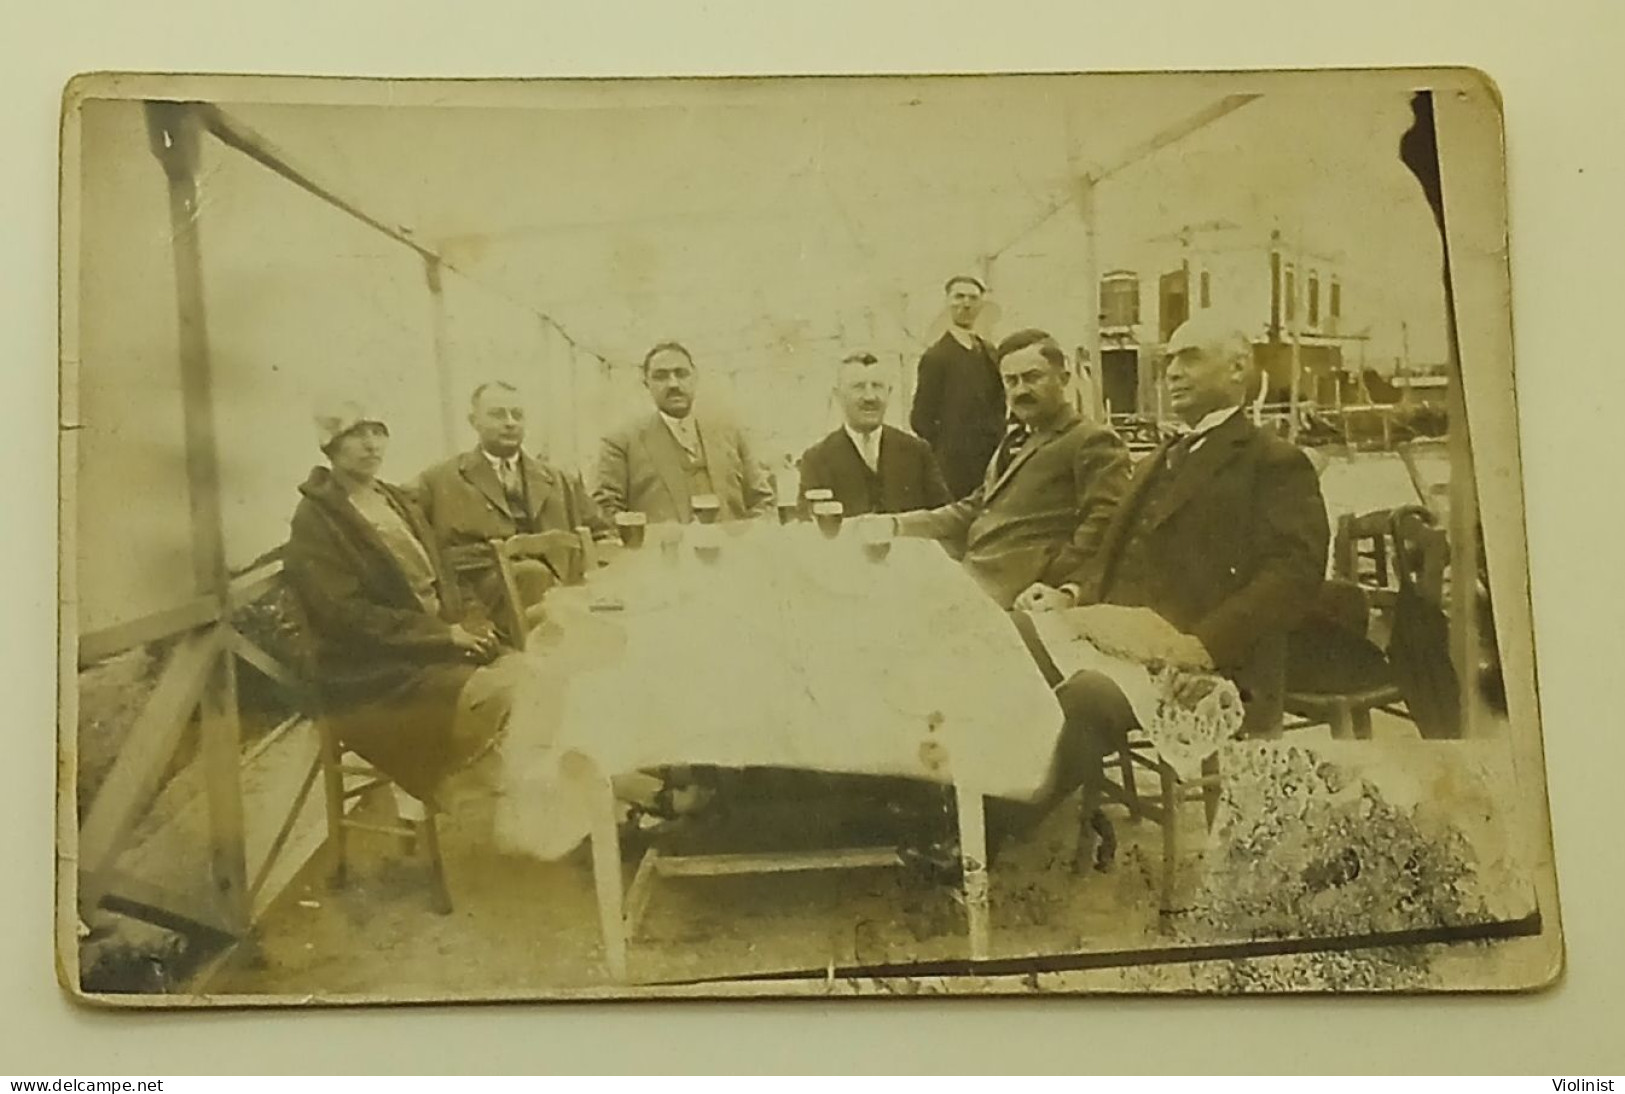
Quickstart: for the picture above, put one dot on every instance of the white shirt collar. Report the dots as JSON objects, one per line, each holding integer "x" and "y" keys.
{"x": 966, "y": 338}
{"x": 861, "y": 439}
{"x": 1210, "y": 422}
{"x": 499, "y": 462}
{"x": 681, "y": 427}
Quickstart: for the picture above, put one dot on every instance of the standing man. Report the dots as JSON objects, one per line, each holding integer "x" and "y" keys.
{"x": 658, "y": 464}
{"x": 499, "y": 490}
{"x": 868, "y": 465}
{"x": 1049, "y": 491}
{"x": 958, "y": 404}
{"x": 1222, "y": 534}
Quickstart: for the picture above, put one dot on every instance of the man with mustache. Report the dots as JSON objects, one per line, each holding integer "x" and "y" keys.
{"x": 658, "y": 464}
{"x": 498, "y": 490}
{"x": 1222, "y": 534}
{"x": 1049, "y": 490}
{"x": 869, "y": 466}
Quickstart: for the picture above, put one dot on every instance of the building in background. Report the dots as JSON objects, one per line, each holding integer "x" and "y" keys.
{"x": 1289, "y": 298}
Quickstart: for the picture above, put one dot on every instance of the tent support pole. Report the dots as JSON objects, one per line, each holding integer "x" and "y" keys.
{"x": 444, "y": 382}
{"x": 174, "y": 130}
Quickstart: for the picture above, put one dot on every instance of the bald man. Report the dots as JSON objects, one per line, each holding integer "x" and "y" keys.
{"x": 1222, "y": 533}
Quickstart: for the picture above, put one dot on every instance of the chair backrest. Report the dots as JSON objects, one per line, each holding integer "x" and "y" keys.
{"x": 1363, "y": 538}
{"x": 1422, "y": 552}
{"x": 302, "y": 645}
{"x": 511, "y": 610}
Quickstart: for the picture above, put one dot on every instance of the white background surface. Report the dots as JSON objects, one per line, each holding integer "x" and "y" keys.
{"x": 1556, "y": 65}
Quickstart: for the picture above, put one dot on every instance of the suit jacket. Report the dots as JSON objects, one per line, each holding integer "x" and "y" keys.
{"x": 959, "y": 409}
{"x": 1042, "y": 516}
{"x": 907, "y": 479}
{"x": 641, "y": 468}
{"x": 466, "y": 506}
{"x": 1231, "y": 549}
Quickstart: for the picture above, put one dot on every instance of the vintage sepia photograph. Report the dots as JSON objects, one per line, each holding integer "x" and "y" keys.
{"x": 826, "y": 536}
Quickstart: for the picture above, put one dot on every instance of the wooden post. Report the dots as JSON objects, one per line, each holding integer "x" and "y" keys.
{"x": 1419, "y": 151}
{"x": 445, "y": 382}
{"x": 221, "y": 741}
{"x": 1464, "y": 546}
{"x": 174, "y": 133}
{"x": 1085, "y": 197}
{"x": 174, "y": 130}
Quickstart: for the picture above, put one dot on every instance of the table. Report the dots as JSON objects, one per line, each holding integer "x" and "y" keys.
{"x": 789, "y": 650}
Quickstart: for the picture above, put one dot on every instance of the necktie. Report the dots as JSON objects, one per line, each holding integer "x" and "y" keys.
{"x": 1013, "y": 440}
{"x": 512, "y": 485}
{"x": 1177, "y": 452}
{"x": 871, "y": 449}
{"x": 688, "y": 438}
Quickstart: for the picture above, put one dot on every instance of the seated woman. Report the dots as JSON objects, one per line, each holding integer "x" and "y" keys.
{"x": 399, "y": 667}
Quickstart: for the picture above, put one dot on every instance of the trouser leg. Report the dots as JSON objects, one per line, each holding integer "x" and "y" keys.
{"x": 1096, "y": 720}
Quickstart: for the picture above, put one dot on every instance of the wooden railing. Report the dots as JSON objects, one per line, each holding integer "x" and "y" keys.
{"x": 198, "y": 678}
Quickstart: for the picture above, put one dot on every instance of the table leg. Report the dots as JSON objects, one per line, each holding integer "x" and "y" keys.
{"x": 973, "y": 862}
{"x": 606, "y": 858}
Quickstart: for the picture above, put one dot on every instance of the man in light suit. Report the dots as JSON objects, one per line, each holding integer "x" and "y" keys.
{"x": 1222, "y": 534}
{"x": 1047, "y": 493}
{"x": 498, "y": 490}
{"x": 869, "y": 466}
{"x": 658, "y": 464}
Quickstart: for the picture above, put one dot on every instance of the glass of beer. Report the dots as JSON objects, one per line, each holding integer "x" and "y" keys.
{"x": 706, "y": 507}
{"x": 707, "y": 544}
{"x": 876, "y": 536}
{"x": 632, "y": 527}
{"x": 828, "y": 516}
{"x": 816, "y": 496}
{"x": 787, "y": 510}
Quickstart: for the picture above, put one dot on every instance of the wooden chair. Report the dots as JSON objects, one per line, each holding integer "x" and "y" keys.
{"x": 1336, "y": 675}
{"x": 337, "y": 763}
{"x": 1164, "y": 809}
{"x": 567, "y": 563}
{"x": 1420, "y": 645}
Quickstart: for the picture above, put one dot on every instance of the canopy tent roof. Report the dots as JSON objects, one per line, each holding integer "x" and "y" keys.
{"x": 754, "y": 217}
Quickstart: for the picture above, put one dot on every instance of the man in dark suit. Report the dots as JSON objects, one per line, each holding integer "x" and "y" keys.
{"x": 658, "y": 464}
{"x": 958, "y": 400}
{"x": 1049, "y": 490}
{"x": 869, "y": 466}
{"x": 1222, "y": 534}
{"x": 498, "y": 490}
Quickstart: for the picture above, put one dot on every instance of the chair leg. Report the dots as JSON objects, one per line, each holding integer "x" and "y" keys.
{"x": 1210, "y": 789}
{"x": 1131, "y": 792}
{"x": 1342, "y": 722}
{"x": 333, "y": 791}
{"x": 439, "y": 894}
{"x": 1170, "y": 836}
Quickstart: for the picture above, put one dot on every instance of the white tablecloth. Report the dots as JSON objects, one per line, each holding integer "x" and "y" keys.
{"x": 789, "y": 651}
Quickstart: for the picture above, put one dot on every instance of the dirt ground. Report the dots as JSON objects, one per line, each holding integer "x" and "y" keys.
{"x": 520, "y": 925}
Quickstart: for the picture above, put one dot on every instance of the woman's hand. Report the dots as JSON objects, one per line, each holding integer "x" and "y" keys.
{"x": 1039, "y": 597}
{"x": 474, "y": 647}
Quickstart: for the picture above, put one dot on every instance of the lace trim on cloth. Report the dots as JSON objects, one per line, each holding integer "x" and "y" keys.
{"x": 1097, "y": 639}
